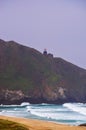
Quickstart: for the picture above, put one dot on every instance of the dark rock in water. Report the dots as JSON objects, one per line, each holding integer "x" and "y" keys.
{"x": 26, "y": 75}
{"x": 83, "y": 124}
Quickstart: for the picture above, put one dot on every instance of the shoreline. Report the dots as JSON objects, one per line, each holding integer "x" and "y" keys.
{"x": 33, "y": 124}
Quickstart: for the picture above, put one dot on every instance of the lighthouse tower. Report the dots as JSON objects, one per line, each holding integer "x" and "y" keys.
{"x": 45, "y": 52}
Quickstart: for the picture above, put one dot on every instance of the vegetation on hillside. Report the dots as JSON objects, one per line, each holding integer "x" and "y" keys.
{"x": 9, "y": 125}
{"x": 38, "y": 77}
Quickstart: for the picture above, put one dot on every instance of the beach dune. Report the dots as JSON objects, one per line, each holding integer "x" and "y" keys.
{"x": 32, "y": 124}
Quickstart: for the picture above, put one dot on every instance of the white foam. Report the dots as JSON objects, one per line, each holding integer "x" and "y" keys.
{"x": 77, "y": 107}
{"x": 44, "y": 104}
{"x": 46, "y": 115}
{"x": 25, "y": 104}
{"x": 54, "y": 116}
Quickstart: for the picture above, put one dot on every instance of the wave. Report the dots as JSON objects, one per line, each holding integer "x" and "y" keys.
{"x": 77, "y": 107}
{"x": 44, "y": 115}
{"x": 45, "y": 104}
{"x": 9, "y": 106}
{"x": 61, "y": 113}
{"x": 53, "y": 116}
{"x": 24, "y": 104}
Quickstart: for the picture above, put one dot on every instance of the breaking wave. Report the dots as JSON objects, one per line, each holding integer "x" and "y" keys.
{"x": 65, "y": 113}
{"x": 77, "y": 107}
{"x": 24, "y": 104}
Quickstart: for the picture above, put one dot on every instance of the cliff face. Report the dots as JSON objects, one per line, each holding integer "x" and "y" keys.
{"x": 28, "y": 75}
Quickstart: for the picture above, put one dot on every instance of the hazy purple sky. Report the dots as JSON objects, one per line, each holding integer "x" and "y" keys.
{"x": 58, "y": 25}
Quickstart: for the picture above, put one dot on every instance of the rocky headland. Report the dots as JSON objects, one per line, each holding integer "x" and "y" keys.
{"x": 26, "y": 75}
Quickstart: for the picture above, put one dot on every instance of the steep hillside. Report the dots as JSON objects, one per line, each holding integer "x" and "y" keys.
{"x": 28, "y": 75}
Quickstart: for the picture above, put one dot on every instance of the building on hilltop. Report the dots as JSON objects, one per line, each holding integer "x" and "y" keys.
{"x": 45, "y": 52}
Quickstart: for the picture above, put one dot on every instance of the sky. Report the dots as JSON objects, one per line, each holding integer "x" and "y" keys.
{"x": 57, "y": 25}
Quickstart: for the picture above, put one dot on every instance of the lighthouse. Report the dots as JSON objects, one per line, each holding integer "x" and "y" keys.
{"x": 45, "y": 52}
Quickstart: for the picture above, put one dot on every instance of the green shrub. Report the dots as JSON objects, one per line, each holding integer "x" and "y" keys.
{"x": 9, "y": 125}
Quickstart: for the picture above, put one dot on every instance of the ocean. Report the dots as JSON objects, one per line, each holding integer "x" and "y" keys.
{"x": 68, "y": 113}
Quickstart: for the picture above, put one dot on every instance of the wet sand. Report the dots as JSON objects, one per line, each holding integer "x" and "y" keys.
{"x": 32, "y": 124}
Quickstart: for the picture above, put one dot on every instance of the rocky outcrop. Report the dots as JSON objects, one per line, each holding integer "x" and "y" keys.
{"x": 84, "y": 125}
{"x": 11, "y": 96}
{"x": 28, "y": 75}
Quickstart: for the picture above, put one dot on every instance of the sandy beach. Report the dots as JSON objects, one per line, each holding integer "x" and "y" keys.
{"x": 32, "y": 124}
